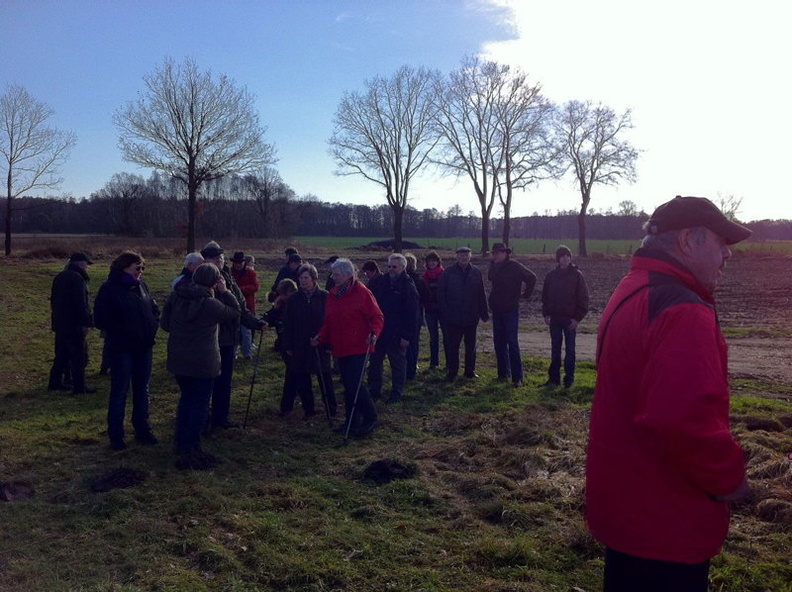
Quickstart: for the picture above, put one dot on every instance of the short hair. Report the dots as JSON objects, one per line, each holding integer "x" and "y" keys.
{"x": 398, "y": 257}
{"x": 291, "y": 251}
{"x": 412, "y": 261}
{"x": 432, "y": 256}
{"x": 125, "y": 259}
{"x": 286, "y": 286}
{"x": 667, "y": 241}
{"x": 369, "y": 265}
{"x": 206, "y": 275}
{"x": 193, "y": 258}
{"x": 345, "y": 266}
{"x": 310, "y": 269}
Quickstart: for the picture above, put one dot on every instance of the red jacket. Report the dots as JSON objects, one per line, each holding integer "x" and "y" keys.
{"x": 659, "y": 442}
{"x": 350, "y": 319}
{"x": 248, "y": 282}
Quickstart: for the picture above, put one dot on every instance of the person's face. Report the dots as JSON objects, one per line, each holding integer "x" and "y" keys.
{"x": 295, "y": 264}
{"x": 306, "y": 281}
{"x": 431, "y": 263}
{"x": 83, "y": 265}
{"x": 564, "y": 261}
{"x": 369, "y": 273}
{"x": 705, "y": 259}
{"x": 339, "y": 277}
{"x": 219, "y": 261}
{"x": 238, "y": 265}
{"x": 135, "y": 269}
{"x": 498, "y": 256}
{"x": 463, "y": 258}
{"x": 395, "y": 268}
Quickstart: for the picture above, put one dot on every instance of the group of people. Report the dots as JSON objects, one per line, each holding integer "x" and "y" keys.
{"x": 661, "y": 466}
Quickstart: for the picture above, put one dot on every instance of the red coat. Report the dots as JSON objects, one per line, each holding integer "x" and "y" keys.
{"x": 659, "y": 443}
{"x": 350, "y": 319}
{"x": 248, "y": 282}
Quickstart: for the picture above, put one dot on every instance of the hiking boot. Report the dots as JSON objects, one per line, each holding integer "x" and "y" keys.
{"x": 196, "y": 460}
{"x": 147, "y": 439}
{"x": 118, "y": 444}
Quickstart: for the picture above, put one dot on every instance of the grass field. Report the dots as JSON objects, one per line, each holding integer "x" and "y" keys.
{"x": 495, "y": 503}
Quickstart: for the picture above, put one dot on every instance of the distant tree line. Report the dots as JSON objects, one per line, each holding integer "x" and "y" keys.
{"x": 266, "y": 208}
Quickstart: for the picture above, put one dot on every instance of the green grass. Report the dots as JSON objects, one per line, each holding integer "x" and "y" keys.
{"x": 496, "y": 503}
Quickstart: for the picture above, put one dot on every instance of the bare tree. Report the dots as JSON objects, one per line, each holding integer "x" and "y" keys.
{"x": 477, "y": 121}
{"x": 32, "y": 151}
{"x": 527, "y": 153}
{"x": 592, "y": 145}
{"x": 729, "y": 205}
{"x": 123, "y": 195}
{"x": 272, "y": 197}
{"x": 194, "y": 128}
{"x": 385, "y": 135}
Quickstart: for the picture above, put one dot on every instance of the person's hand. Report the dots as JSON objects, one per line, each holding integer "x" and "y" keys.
{"x": 738, "y": 494}
{"x": 404, "y": 344}
{"x": 372, "y": 339}
{"x": 573, "y": 324}
{"x": 220, "y": 284}
{"x": 262, "y": 324}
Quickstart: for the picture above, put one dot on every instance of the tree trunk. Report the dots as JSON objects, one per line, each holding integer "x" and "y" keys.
{"x": 192, "y": 193}
{"x": 8, "y": 214}
{"x": 484, "y": 231}
{"x": 398, "y": 220}
{"x": 506, "y": 227}
{"x": 582, "y": 251}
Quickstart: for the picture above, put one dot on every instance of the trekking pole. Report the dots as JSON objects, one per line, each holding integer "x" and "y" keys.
{"x": 323, "y": 387}
{"x": 253, "y": 380}
{"x": 357, "y": 394}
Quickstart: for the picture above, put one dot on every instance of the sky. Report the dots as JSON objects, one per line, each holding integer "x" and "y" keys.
{"x": 707, "y": 82}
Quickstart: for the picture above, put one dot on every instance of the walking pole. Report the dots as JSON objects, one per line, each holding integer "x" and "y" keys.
{"x": 253, "y": 380}
{"x": 357, "y": 393}
{"x": 322, "y": 387}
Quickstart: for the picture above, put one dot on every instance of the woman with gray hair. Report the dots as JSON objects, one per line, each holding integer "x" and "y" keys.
{"x": 191, "y": 316}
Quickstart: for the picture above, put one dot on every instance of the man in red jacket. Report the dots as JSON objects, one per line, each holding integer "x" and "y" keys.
{"x": 352, "y": 323}
{"x": 662, "y": 464}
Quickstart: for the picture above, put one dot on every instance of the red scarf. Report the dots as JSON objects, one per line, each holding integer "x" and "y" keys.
{"x": 431, "y": 275}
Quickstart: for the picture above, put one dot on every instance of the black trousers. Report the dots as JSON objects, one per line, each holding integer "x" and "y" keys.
{"x": 71, "y": 358}
{"x": 627, "y": 573}
{"x": 453, "y": 336}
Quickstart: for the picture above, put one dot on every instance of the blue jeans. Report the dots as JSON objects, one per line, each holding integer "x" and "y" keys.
{"x": 351, "y": 369}
{"x": 412, "y": 353}
{"x": 192, "y": 411}
{"x": 398, "y": 363}
{"x": 246, "y": 342}
{"x": 560, "y": 331}
{"x": 126, "y": 368}
{"x": 507, "y": 346}
{"x": 433, "y": 326}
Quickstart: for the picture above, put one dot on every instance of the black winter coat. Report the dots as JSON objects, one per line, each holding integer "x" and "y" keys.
{"x": 125, "y": 310}
{"x": 71, "y": 309}
{"x": 565, "y": 294}
{"x": 302, "y": 319}
{"x": 461, "y": 297}
{"x": 398, "y": 301}
{"x": 507, "y": 279}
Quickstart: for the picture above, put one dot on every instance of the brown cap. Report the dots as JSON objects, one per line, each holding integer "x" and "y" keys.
{"x": 500, "y": 247}
{"x": 691, "y": 212}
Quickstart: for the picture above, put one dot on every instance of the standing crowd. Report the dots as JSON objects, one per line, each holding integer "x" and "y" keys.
{"x": 662, "y": 464}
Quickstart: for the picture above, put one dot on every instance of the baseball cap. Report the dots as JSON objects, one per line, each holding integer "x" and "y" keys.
{"x": 691, "y": 212}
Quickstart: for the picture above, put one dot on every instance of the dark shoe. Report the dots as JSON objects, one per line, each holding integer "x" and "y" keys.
{"x": 502, "y": 379}
{"x": 118, "y": 444}
{"x": 551, "y": 384}
{"x": 147, "y": 439}
{"x": 365, "y": 429}
{"x": 518, "y": 383}
{"x": 86, "y": 390}
{"x": 450, "y": 377}
{"x": 473, "y": 375}
{"x": 58, "y": 387}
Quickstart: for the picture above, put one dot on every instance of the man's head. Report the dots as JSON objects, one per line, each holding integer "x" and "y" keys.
{"x": 563, "y": 256}
{"x": 289, "y": 251}
{"x": 396, "y": 265}
{"x": 295, "y": 261}
{"x": 499, "y": 252}
{"x": 369, "y": 269}
{"x": 463, "y": 255}
{"x": 238, "y": 260}
{"x": 696, "y": 233}
{"x": 213, "y": 253}
{"x": 192, "y": 261}
{"x": 342, "y": 271}
{"x": 80, "y": 260}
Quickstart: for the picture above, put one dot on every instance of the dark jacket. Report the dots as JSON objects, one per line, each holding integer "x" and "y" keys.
{"x": 191, "y": 315}
{"x": 229, "y": 329}
{"x": 507, "y": 279}
{"x": 565, "y": 294}
{"x": 302, "y": 319}
{"x": 461, "y": 297}
{"x": 398, "y": 301}
{"x": 125, "y": 310}
{"x": 71, "y": 309}
{"x": 431, "y": 278}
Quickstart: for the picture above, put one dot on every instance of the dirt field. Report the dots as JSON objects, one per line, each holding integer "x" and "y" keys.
{"x": 755, "y": 296}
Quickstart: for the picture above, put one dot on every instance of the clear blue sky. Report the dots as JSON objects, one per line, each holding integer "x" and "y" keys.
{"x": 707, "y": 81}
